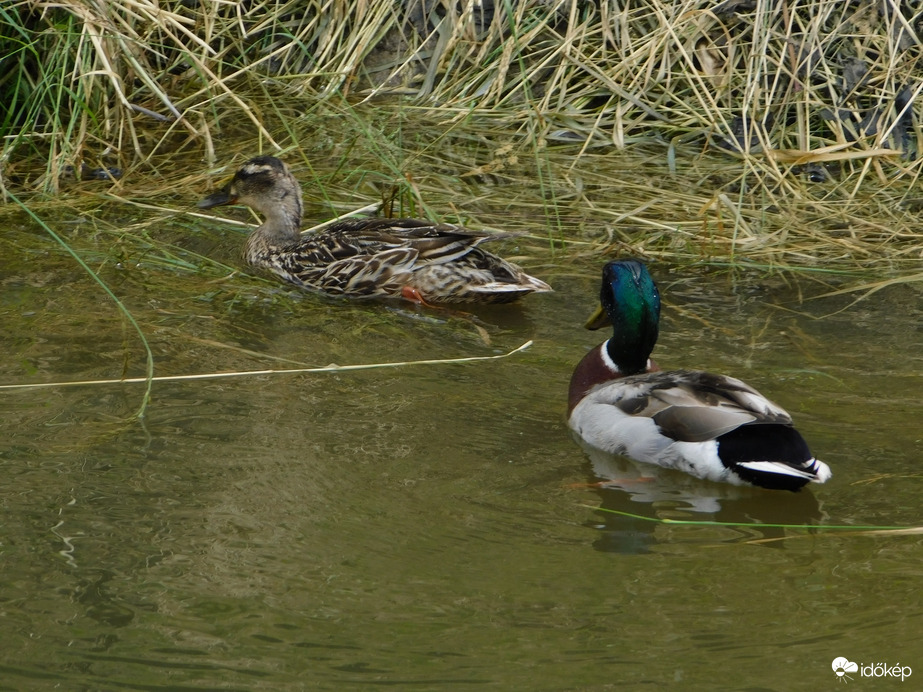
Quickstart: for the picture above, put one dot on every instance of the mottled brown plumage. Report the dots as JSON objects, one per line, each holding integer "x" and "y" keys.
{"x": 368, "y": 257}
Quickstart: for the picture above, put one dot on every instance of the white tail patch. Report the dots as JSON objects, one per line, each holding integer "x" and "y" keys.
{"x": 818, "y": 472}
{"x": 821, "y": 471}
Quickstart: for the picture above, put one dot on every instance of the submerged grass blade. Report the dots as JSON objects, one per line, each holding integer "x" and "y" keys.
{"x": 871, "y": 530}
{"x": 148, "y": 380}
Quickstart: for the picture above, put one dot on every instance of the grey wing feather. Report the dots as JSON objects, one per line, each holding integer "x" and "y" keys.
{"x": 695, "y": 406}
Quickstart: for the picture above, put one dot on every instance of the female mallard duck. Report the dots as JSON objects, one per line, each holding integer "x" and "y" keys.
{"x": 368, "y": 257}
{"x": 711, "y": 426}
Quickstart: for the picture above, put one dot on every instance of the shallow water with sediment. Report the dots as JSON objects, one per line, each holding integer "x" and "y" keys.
{"x": 432, "y": 526}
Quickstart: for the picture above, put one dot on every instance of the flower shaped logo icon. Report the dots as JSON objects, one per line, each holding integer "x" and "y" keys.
{"x": 841, "y": 666}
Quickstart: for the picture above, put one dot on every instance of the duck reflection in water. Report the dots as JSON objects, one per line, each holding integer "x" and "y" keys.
{"x": 626, "y": 487}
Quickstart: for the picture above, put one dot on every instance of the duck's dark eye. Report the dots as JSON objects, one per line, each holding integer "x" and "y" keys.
{"x": 817, "y": 175}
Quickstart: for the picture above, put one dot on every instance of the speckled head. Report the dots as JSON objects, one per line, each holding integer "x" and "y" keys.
{"x": 265, "y": 184}
{"x": 631, "y": 302}
{"x": 262, "y": 178}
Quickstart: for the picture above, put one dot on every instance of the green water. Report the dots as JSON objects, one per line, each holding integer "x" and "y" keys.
{"x": 434, "y": 526}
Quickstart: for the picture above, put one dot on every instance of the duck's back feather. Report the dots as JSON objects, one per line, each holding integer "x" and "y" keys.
{"x": 690, "y": 405}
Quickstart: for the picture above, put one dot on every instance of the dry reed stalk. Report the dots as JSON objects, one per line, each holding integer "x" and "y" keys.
{"x": 333, "y": 368}
{"x": 754, "y": 77}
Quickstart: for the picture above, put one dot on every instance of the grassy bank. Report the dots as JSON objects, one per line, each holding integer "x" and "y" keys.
{"x": 815, "y": 105}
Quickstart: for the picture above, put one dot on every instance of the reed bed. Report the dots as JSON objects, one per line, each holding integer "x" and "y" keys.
{"x": 815, "y": 106}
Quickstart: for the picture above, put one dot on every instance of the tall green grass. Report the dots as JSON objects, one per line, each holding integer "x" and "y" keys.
{"x": 775, "y": 81}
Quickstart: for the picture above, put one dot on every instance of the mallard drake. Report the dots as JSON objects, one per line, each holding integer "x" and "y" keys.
{"x": 368, "y": 257}
{"x": 712, "y": 426}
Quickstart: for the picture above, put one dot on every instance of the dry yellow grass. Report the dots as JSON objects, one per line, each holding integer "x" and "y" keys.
{"x": 817, "y": 90}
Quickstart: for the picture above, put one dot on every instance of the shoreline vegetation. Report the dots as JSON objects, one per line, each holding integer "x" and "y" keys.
{"x": 816, "y": 105}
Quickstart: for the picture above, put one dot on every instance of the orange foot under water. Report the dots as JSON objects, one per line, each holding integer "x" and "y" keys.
{"x": 618, "y": 481}
{"x": 414, "y": 296}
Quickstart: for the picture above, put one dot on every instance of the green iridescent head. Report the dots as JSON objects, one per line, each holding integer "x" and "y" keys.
{"x": 631, "y": 304}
